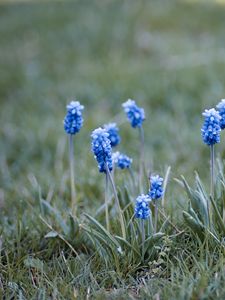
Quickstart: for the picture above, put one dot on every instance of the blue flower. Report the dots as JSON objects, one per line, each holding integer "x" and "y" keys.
{"x": 122, "y": 161}
{"x": 113, "y": 132}
{"x": 73, "y": 120}
{"x": 101, "y": 147}
{"x": 211, "y": 127}
{"x": 221, "y": 108}
{"x": 156, "y": 189}
{"x": 135, "y": 114}
{"x": 142, "y": 210}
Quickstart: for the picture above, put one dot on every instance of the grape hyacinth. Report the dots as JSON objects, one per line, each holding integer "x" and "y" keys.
{"x": 211, "y": 127}
{"x": 121, "y": 161}
{"x": 142, "y": 210}
{"x": 211, "y": 136}
{"x": 155, "y": 193}
{"x": 135, "y": 114}
{"x": 156, "y": 190}
{"x": 221, "y": 109}
{"x": 73, "y": 120}
{"x": 113, "y": 132}
{"x": 101, "y": 147}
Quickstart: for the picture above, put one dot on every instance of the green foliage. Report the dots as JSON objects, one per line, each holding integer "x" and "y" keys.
{"x": 205, "y": 214}
{"x": 125, "y": 255}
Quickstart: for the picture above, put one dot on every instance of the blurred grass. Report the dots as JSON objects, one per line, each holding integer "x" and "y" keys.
{"x": 168, "y": 55}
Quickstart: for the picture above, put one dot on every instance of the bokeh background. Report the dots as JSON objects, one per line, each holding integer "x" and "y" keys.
{"x": 167, "y": 55}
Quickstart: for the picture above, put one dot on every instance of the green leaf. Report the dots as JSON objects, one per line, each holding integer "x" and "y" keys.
{"x": 152, "y": 240}
{"x": 101, "y": 229}
{"x": 73, "y": 227}
{"x": 55, "y": 213}
{"x": 127, "y": 195}
{"x": 133, "y": 235}
{"x": 35, "y": 263}
{"x": 102, "y": 244}
{"x": 196, "y": 226}
{"x": 102, "y": 251}
{"x": 201, "y": 187}
{"x": 198, "y": 202}
{"x": 193, "y": 214}
{"x": 165, "y": 224}
{"x": 218, "y": 218}
{"x": 121, "y": 197}
{"x": 129, "y": 246}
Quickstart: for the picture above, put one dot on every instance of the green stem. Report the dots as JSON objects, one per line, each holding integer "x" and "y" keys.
{"x": 212, "y": 166}
{"x": 150, "y": 225}
{"x": 141, "y": 164}
{"x": 212, "y": 159}
{"x": 72, "y": 177}
{"x": 122, "y": 224}
{"x": 156, "y": 215}
{"x": 106, "y": 201}
{"x": 142, "y": 238}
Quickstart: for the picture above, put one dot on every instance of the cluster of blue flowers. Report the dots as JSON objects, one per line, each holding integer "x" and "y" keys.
{"x": 121, "y": 161}
{"x": 101, "y": 147}
{"x": 135, "y": 114}
{"x": 156, "y": 189}
{"x": 221, "y": 109}
{"x": 110, "y": 133}
{"x": 103, "y": 139}
{"x": 113, "y": 132}
{"x": 211, "y": 127}
{"x": 73, "y": 120}
{"x": 142, "y": 210}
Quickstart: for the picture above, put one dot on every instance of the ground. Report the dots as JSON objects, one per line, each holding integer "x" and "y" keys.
{"x": 167, "y": 55}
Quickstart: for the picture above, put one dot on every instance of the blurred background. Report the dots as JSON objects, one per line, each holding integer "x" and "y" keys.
{"x": 167, "y": 55}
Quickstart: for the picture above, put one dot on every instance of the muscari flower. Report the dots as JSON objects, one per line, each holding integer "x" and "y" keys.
{"x": 113, "y": 132}
{"x": 135, "y": 114}
{"x": 156, "y": 189}
{"x": 211, "y": 127}
{"x": 101, "y": 147}
{"x": 73, "y": 120}
{"x": 121, "y": 161}
{"x": 142, "y": 210}
{"x": 221, "y": 109}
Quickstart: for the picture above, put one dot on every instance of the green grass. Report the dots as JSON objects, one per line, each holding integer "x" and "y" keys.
{"x": 170, "y": 57}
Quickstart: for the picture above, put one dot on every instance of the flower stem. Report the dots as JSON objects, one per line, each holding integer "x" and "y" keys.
{"x": 106, "y": 201}
{"x": 143, "y": 238}
{"x": 122, "y": 224}
{"x": 212, "y": 159}
{"x": 150, "y": 226}
{"x": 72, "y": 178}
{"x": 156, "y": 216}
{"x": 141, "y": 165}
{"x": 212, "y": 175}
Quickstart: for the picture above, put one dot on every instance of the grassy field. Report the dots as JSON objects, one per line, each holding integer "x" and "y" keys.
{"x": 170, "y": 57}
